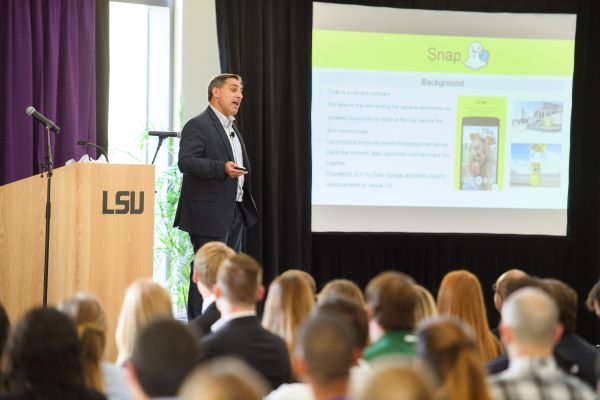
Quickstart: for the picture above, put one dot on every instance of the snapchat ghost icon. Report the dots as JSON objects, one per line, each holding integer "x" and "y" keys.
{"x": 478, "y": 56}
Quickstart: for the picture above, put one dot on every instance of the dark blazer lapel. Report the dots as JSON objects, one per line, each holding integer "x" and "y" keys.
{"x": 221, "y": 131}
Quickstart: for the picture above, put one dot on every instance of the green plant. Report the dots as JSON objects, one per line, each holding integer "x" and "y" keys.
{"x": 172, "y": 247}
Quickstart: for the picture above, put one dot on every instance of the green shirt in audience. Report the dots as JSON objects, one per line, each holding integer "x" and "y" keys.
{"x": 396, "y": 342}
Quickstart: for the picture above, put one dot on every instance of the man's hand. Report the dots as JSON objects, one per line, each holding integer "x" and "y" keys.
{"x": 232, "y": 172}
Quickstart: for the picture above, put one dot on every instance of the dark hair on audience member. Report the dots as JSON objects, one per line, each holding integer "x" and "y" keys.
{"x": 349, "y": 311}
{"x": 219, "y": 80}
{"x": 448, "y": 347}
{"x": 392, "y": 297}
{"x": 43, "y": 357}
{"x": 566, "y": 300}
{"x": 4, "y": 329}
{"x": 528, "y": 281}
{"x": 343, "y": 287}
{"x": 593, "y": 296}
{"x": 326, "y": 345}
{"x": 164, "y": 353}
{"x": 239, "y": 279}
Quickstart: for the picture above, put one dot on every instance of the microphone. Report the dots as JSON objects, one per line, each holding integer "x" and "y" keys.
{"x": 86, "y": 143}
{"x": 232, "y": 134}
{"x": 165, "y": 134}
{"x": 49, "y": 124}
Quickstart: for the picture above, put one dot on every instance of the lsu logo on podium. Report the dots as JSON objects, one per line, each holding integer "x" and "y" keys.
{"x": 125, "y": 202}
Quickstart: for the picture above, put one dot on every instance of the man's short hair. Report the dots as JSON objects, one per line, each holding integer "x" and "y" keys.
{"x": 566, "y": 300}
{"x": 208, "y": 260}
{"x": 163, "y": 355}
{"x": 219, "y": 80}
{"x": 505, "y": 279}
{"x": 593, "y": 296}
{"x": 326, "y": 345}
{"x": 520, "y": 283}
{"x": 349, "y": 311}
{"x": 532, "y": 316}
{"x": 393, "y": 298}
{"x": 239, "y": 279}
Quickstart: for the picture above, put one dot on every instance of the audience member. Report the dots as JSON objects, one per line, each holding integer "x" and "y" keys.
{"x": 354, "y": 315}
{"x": 500, "y": 286}
{"x": 85, "y": 311}
{"x": 460, "y": 296}
{"x": 145, "y": 301}
{"x": 397, "y": 383}
{"x": 450, "y": 352}
{"x": 324, "y": 356}
{"x": 238, "y": 332}
{"x": 43, "y": 359}
{"x": 164, "y": 353}
{"x": 304, "y": 275}
{"x": 571, "y": 346}
{"x": 593, "y": 299}
{"x": 4, "y": 332}
{"x": 425, "y": 307}
{"x": 224, "y": 379}
{"x": 391, "y": 299}
{"x": 289, "y": 302}
{"x": 342, "y": 287}
{"x": 207, "y": 261}
{"x": 529, "y": 329}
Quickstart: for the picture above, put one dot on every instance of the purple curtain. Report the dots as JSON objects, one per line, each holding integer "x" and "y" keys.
{"x": 47, "y": 60}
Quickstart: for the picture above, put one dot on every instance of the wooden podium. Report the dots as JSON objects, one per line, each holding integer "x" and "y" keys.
{"x": 101, "y": 237}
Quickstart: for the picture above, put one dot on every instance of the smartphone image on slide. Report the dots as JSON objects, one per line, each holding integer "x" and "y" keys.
{"x": 479, "y": 153}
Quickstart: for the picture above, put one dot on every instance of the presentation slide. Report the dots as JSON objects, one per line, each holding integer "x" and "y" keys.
{"x": 438, "y": 121}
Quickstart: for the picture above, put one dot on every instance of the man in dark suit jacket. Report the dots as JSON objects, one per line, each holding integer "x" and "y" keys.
{"x": 207, "y": 261}
{"x": 216, "y": 200}
{"x": 239, "y": 332}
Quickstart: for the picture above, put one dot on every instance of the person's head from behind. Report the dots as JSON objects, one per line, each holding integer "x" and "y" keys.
{"x": 239, "y": 284}
{"x": 85, "y": 311}
{"x": 164, "y": 353}
{"x": 593, "y": 300}
{"x": 391, "y": 299}
{"x": 566, "y": 300}
{"x": 43, "y": 356}
{"x": 207, "y": 261}
{"x": 225, "y": 93}
{"x": 425, "y": 307}
{"x": 460, "y": 296}
{"x": 396, "y": 383}
{"x": 530, "y": 323}
{"x": 224, "y": 379}
{"x": 500, "y": 286}
{"x": 324, "y": 351}
{"x": 4, "y": 331}
{"x": 343, "y": 287}
{"x": 145, "y": 301}
{"x": 449, "y": 351}
{"x": 304, "y": 275}
{"x": 354, "y": 315}
{"x": 289, "y": 302}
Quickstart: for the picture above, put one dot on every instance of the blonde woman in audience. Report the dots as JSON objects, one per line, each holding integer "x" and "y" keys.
{"x": 304, "y": 275}
{"x": 425, "y": 307}
{"x": 449, "y": 352}
{"x": 460, "y": 296}
{"x": 145, "y": 301}
{"x": 396, "y": 383}
{"x": 289, "y": 302}
{"x": 85, "y": 311}
{"x": 345, "y": 288}
{"x": 224, "y": 379}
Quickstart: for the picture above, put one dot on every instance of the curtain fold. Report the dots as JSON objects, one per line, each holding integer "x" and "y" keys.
{"x": 48, "y": 62}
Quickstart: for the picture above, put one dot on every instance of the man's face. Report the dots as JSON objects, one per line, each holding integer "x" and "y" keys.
{"x": 227, "y": 98}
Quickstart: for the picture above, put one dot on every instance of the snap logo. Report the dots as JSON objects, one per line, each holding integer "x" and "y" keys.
{"x": 124, "y": 203}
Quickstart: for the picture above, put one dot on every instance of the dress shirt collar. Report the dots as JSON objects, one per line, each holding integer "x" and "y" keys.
{"x": 227, "y": 122}
{"x": 221, "y": 322}
{"x": 208, "y": 300}
{"x": 523, "y": 365}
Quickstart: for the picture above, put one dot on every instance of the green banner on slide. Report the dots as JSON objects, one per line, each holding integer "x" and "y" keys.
{"x": 446, "y": 54}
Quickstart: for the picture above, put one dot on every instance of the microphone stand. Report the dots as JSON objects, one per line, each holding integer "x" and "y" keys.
{"x": 160, "y": 141}
{"x": 49, "y": 164}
